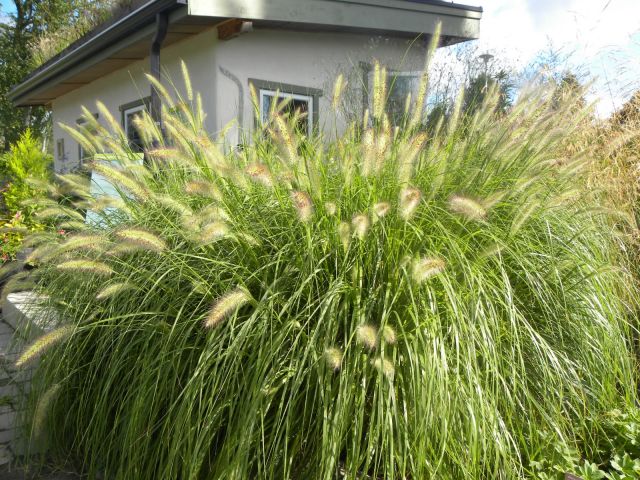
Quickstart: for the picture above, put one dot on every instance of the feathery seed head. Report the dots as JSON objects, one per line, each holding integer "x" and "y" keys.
{"x": 360, "y": 226}
{"x": 260, "y": 174}
{"x": 408, "y": 154}
{"x": 367, "y": 335}
{"x": 213, "y": 212}
{"x": 84, "y": 242}
{"x": 338, "y": 88}
{"x": 344, "y": 232}
{"x": 226, "y": 306}
{"x": 467, "y": 207}
{"x": 72, "y": 225}
{"x": 333, "y": 357}
{"x": 368, "y": 152}
{"x": 120, "y": 179}
{"x": 124, "y": 248}
{"x": 164, "y": 153}
{"x": 330, "y": 208}
{"x": 425, "y": 268}
{"x": 173, "y": 204}
{"x": 114, "y": 290}
{"x": 379, "y": 90}
{"x": 302, "y": 203}
{"x": 381, "y": 209}
{"x": 383, "y": 142}
{"x": 491, "y": 250}
{"x": 106, "y": 202}
{"x": 204, "y": 189}
{"x": 389, "y": 335}
{"x": 59, "y": 211}
{"x": 213, "y": 231}
{"x": 409, "y": 201}
{"x": 385, "y": 367}
{"x": 42, "y": 344}
{"x": 144, "y": 238}
{"x": 85, "y": 266}
{"x": 42, "y": 409}
{"x": 248, "y": 238}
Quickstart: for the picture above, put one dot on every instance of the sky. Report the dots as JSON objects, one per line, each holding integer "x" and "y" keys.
{"x": 601, "y": 39}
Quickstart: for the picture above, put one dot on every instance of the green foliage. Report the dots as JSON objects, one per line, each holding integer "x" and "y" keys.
{"x": 615, "y": 451}
{"x": 71, "y": 20}
{"x": 480, "y": 86}
{"x": 382, "y": 306}
{"x": 11, "y": 238}
{"x": 23, "y": 164}
{"x": 35, "y": 31}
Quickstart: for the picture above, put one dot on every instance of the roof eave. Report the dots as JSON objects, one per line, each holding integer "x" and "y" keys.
{"x": 134, "y": 21}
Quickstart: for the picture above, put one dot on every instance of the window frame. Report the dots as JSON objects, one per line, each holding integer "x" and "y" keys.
{"x": 367, "y": 77}
{"x": 81, "y": 122}
{"x": 60, "y": 151}
{"x": 295, "y": 92}
{"x": 140, "y": 105}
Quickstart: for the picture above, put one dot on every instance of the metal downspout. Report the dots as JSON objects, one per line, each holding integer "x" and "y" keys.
{"x": 162, "y": 26}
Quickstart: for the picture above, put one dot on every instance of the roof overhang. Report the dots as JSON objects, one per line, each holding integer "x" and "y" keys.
{"x": 400, "y": 17}
{"x": 128, "y": 39}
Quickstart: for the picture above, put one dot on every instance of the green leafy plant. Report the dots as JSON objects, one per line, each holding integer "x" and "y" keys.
{"x": 388, "y": 305}
{"x": 24, "y": 163}
{"x": 26, "y": 167}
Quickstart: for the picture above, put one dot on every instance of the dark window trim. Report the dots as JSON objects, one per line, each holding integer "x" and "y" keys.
{"x": 314, "y": 93}
{"x": 366, "y": 70}
{"x": 141, "y": 102}
{"x": 60, "y": 151}
{"x": 81, "y": 121}
{"x": 146, "y": 101}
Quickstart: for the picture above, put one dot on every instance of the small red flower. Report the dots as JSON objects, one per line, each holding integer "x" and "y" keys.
{"x": 61, "y": 232}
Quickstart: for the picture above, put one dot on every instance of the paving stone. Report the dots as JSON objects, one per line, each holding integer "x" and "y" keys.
{"x": 7, "y": 418}
{"x": 5, "y": 455}
{"x": 6, "y": 329}
{"x": 23, "y": 311}
{"x": 7, "y": 436}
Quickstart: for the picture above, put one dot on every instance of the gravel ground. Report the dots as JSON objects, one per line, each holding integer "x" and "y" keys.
{"x": 15, "y": 473}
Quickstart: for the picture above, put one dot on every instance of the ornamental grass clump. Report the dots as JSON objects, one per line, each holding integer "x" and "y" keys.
{"x": 359, "y": 307}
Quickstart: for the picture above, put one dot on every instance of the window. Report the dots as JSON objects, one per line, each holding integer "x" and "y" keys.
{"x": 81, "y": 122}
{"x": 129, "y": 112}
{"x": 399, "y": 86}
{"x": 301, "y": 100}
{"x": 60, "y": 151}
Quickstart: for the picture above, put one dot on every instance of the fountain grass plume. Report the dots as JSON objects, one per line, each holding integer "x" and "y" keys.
{"x": 225, "y": 306}
{"x": 388, "y": 304}
{"x": 144, "y": 238}
{"x": 43, "y": 343}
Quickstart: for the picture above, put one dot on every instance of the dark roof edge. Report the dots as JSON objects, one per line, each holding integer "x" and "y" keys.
{"x": 138, "y": 18}
{"x": 442, "y": 3}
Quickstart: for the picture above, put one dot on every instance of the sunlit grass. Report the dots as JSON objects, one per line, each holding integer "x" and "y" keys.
{"x": 387, "y": 304}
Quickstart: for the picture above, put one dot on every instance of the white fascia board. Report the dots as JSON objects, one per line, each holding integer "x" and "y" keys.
{"x": 376, "y": 15}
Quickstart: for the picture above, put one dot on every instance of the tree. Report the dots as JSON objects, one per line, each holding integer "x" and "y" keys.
{"x": 483, "y": 83}
{"x": 31, "y": 21}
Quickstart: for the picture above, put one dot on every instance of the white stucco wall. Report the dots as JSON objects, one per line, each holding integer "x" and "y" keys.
{"x": 310, "y": 60}
{"x": 129, "y": 84}
{"x": 220, "y": 71}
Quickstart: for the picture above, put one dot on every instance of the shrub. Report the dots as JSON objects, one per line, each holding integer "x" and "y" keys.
{"x": 383, "y": 306}
{"x": 24, "y": 164}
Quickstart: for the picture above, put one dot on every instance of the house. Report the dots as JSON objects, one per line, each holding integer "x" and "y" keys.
{"x": 285, "y": 48}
